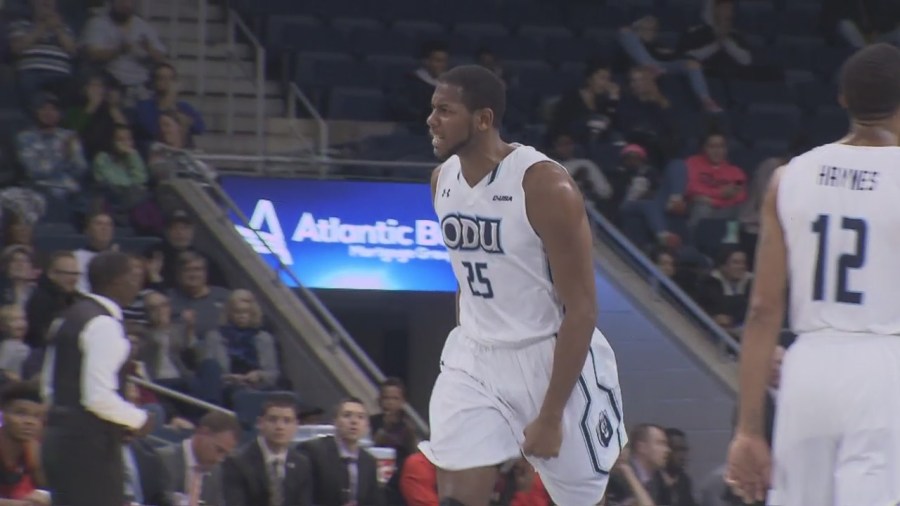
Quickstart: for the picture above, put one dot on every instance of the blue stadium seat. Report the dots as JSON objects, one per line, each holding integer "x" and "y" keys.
{"x": 391, "y": 69}
{"x": 512, "y": 48}
{"x": 799, "y": 19}
{"x": 790, "y": 111}
{"x": 383, "y": 42}
{"x": 343, "y": 72}
{"x": 543, "y": 33}
{"x": 754, "y": 128}
{"x": 828, "y": 125}
{"x": 467, "y": 11}
{"x": 533, "y": 13}
{"x": 351, "y": 25}
{"x": 827, "y": 61}
{"x": 420, "y": 30}
{"x": 364, "y": 104}
{"x": 478, "y": 31}
{"x": 567, "y": 50}
{"x": 307, "y": 63}
{"x": 310, "y": 38}
{"x": 746, "y": 92}
{"x": 815, "y": 94}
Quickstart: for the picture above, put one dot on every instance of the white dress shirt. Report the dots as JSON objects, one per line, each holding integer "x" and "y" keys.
{"x": 104, "y": 349}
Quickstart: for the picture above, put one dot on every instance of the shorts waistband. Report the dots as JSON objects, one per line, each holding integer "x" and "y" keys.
{"x": 507, "y": 345}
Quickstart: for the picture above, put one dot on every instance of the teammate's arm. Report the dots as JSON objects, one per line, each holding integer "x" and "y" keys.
{"x": 555, "y": 210}
{"x": 749, "y": 463}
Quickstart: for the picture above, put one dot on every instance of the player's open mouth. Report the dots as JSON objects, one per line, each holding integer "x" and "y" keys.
{"x": 435, "y": 140}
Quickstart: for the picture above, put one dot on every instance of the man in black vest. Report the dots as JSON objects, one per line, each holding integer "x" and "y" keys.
{"x": 82, "y": 380}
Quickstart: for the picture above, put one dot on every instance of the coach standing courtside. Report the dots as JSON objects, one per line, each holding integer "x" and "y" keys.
{"x": 82, "y": 380}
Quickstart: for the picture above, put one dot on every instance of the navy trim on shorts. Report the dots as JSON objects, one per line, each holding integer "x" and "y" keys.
{"x": 609, "y": 392}
{"x": 585, "y": 430}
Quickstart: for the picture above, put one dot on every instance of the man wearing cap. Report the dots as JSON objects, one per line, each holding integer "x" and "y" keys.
{"x": 52, "y": 156}
{"x": 179, "y": 237}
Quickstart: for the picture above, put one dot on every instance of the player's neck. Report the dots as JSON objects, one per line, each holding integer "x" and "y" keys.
{"x": 870, "y": 135}
{"x": 481, "y": 158}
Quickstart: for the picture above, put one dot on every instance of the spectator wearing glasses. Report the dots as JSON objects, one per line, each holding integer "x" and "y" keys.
{"x": 56, "y": 291}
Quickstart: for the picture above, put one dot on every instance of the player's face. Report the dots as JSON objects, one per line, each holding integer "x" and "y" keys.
{"x": 450, "y": 122}
{"x": 23, "y": 419}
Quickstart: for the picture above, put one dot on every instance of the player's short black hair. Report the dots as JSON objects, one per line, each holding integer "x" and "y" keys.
{"x": 19, "y": 391}
{"x": 106, "y": 268}
{"x": 870, "y": 83}
{"x": 481, "y": 89}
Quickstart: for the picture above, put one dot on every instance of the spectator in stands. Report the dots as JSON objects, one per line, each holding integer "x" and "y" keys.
{"x": 135, "y": 315}
{"x": 120, "y": 175}
{"x": 44, "y": 47}
{"x": 245, "y": 353}
{"x": 638, "y": 474}
{"x": 675, "y": 479}
{"x": 589, "y": 112}
{"x": 411, "y": 103}
{"x": 487, "y": 59}
{"x": 725, "y": 293}
{"x": 645, "y": 116}
{"x": 861, "y": 22}
{"x": 179, "y": 237}
{"x": 418, "y": 481}
{"x": 392, "y": 428}
{"x": 170, "y": 348}
{"x": 194, "y": 293}
{"x": 16, "y": 275}
{"x": 641, "y": 44}
{"x": 268, "y": 471}
{"x": 194, "y": 466}
{"x": 168, "y": 155}
{"x": 52, "y": 156}
{"x": 56, "y": 290}
{"x": 13, "y": 350}
{"x": 520, "y": 486}
{"x": 641, "y": 206}
{"x": 146, "y": 480}
{"x": 165, "y": 99}
{"x": 23, "y": 418}
{"x": 589, "y": 176}
{"x": 342, "y": 471}
{"x": 126, "y": 46}
{"x": 96, "y": 117}
{"x": 18, "y": 230}
{"x": 99, "y": 231}
{"x": 715, "y": 188}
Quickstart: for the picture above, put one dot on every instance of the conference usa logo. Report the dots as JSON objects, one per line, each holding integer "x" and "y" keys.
{"x": 470, "y": 233}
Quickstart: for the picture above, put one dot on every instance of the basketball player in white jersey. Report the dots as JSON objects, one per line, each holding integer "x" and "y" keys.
{"x": 525, "y": 372}
{"x": 831, "y": 231}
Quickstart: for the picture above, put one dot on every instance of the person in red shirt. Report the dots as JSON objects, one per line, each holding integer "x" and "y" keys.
{"x": 418, "y": 484}
{"x": 715, "y": 187}
{"x": 20, "y": 467}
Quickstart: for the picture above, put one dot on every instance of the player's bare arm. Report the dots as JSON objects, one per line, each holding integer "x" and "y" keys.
{"x": 555, "y": 210}
{"x": 748, "y": 458}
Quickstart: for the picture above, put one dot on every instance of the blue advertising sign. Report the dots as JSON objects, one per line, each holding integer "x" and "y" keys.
{"x": 345, "y": 234}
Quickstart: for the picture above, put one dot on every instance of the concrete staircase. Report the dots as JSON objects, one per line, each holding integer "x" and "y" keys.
{"x": 281, "y": 136}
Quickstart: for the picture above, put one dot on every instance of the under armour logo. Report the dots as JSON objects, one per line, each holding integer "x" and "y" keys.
{"x": 445, "y": 192}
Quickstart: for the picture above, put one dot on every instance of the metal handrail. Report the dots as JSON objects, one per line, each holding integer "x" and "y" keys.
{"x": 178, "y": 396}
{"x": 310, "y": 160}
{"x": 661, "y": 279}
{"x": 235, "y": 22}
{"x": 339, "y": 335}
{"x": 294, "y": 94}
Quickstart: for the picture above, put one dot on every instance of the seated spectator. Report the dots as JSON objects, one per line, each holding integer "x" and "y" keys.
{"x": 170, "y": 154}
{"x": 487, "y": 59}
{"x": 20, "y": 209}
{"x": 56, "y": 290}
{"x": 16, "y": 275}
{"x": 268, "y": 470}
{"x": 725, "y": 293}
{"x": 13, "y": 350}
{"x": 135, "y": 315}
{"x": 194, "y": 292}
{"x": 678, "y": 484}
{"x": 126, "y": 46}
{"x": 194, "y": 466}
{"x": 18, "y": 230}
{"x": 147, "y": 112}
{"x": 343, "y": 472}
{"x": 411, "y": 102}
{"x": 589, "y": 112}
{"x": 44, "y": 47}
{"x": 23, "y": 418}
{"x": 95, "y": 118}
{"x": 170, "y": 348}
{"x": 418, "y": 481}
{"x": 715, "y": 188}
{"x": 520, "y": 486}
{"x": 590, "y": 178}
{"x": 641, "y": 210}
{"x": 146, "y": 480}
{"x": 178, "y": 237}
{"x": 52, "y": 156}
{"x": 641, "y": 44}
{"x": 99, "y": 231}
{"x": 245, "y": 353}
{"x": 392, "y": 428}
{"x": 645, "y": 116}
{"x": 637, "y": 474}
{"x": 120, "y": 175}
{"x": 862, "y": 22}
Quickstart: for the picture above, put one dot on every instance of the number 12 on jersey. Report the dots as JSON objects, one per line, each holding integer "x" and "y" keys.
{"x": 479, "y": 284}
{"x": 845, "y": 262}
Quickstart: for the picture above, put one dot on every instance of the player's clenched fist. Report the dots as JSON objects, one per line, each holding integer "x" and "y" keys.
{"x": 749, "y": 467}
{"x": 543, "y": 437}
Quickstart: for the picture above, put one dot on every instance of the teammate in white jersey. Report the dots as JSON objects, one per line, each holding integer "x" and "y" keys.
{"x": 831, "y": 231}
{"x": 525, "y": 371}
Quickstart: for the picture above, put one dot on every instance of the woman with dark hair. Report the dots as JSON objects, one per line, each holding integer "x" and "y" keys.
{"x": 725, "y": 292}
{"x": 16, "y": 275}
{"x": 96, "y": 117}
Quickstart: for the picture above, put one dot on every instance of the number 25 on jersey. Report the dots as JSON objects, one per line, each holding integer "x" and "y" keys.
{"x": 846, "y": 261}
{"x": 479, "y": 284}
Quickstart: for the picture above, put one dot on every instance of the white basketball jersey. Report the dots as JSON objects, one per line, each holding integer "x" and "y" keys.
{"x": 506, "y": 292}
{"x": 839, "y": 206}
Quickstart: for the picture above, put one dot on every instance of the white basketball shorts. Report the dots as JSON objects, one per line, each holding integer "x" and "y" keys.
{"x": 837, "y": 423}
{"x": 485, "y": 396}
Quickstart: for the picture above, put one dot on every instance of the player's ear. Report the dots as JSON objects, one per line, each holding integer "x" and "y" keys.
{"x": 485, "y": 119}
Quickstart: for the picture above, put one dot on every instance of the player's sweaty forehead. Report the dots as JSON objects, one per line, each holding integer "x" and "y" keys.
{"x": 447, "y": 96}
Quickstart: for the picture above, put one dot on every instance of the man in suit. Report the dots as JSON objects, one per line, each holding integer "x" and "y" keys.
{"x": 146, "y": 479}
{"x": 268, "y": 471}
{"x": 194, "y": 465}
{"x": 637, "y": 475}
{"x": 343, "y": 473}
